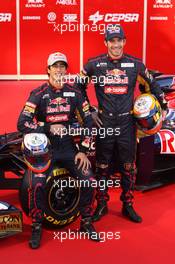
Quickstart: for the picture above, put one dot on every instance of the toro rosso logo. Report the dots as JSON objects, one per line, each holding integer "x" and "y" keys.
{"x": 167, "y": 139}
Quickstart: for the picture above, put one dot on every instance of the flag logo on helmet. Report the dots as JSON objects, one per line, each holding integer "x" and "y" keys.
{"x": 37, "y": 152}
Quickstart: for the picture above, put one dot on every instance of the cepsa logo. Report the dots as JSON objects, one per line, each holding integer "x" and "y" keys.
{"x": 5, "y": 17}
{"x": 163, "y": 4}
{"x": 35, "y": 3}
{"x": 167, "y": 139}
{"x": 114, "y": 17}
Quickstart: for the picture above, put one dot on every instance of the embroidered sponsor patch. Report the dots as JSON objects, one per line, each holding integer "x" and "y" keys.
{"x": 116, "y": 90}
{"x": 58, "y": 100}
{"x": 58, "y": 109}
{"x": 57, "y": 118}
{"x": 85, "y": 106}
{"x": 69, "y": 94}
{"x": 127, "y": 65}
{"x": 86, "y": 142}
{"x": 29, "y": 109}
{"x": 30, "y": 125}
{"x": 31, "y": 105}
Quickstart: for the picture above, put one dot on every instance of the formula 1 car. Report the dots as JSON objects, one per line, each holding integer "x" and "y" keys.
{"x": 155, "y": 159}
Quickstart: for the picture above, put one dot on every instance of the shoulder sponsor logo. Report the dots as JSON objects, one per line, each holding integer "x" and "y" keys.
{"x": 31, "y": 18}
{"x": 56, "y": 118}
{"x": 167, "y": 139}
{"x": 35, "y": 3}
{"x": 162, "y": 4}
{"x": 31, "y": 104}
{"x": 5, "y": 17}
{"x": 114, "y": 17}
{"x": 69, "y": 94}
{"x": 70, "y": 18}
{"x": 127, "y": 65}
{"x": 66, "y": 2}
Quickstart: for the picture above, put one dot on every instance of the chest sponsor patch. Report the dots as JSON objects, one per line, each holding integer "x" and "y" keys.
{"x": 58, "y": 101}
{"x": 116, "y": 90}
{"x": 58, "y": 109}
{"x": 56, "y": 118}
{"x": 69, "y": 94}
{"x": 127, "y": 65}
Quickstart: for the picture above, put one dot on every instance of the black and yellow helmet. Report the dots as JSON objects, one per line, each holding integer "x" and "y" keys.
{"x": 148, "y": 113}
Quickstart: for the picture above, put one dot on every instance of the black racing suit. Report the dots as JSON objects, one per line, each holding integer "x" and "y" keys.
{"x": 43, "y": 108}
{"x": 115, "y": 82}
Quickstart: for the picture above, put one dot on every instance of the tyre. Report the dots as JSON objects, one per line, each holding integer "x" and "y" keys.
{"x": 62, "y": 198}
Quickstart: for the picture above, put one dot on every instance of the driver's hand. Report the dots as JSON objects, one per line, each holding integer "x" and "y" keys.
{"x": 84, "y": 163}
{"x": 96, "y": 119}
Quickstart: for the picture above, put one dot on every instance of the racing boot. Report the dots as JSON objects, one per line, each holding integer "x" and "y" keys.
{"x": 100, "y": 211}
{"x": 129, "y": 212}
{"x": 87, "y": 227}
{"x": 35, "y": 239}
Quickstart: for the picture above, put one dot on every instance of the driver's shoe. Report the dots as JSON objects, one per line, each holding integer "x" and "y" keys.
{"x": 87, "y": 227}
{"x": 130, "y": 213}
{"x": 35, "y": 239}
{"x": 100, "y": 211}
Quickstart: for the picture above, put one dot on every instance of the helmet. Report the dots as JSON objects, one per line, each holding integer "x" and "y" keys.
{"x": 37, "y": 152}
{"x": 148, "y": 113}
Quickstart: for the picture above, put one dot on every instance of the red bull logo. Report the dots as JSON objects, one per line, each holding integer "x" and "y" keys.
{"x": 58, "y": 101}
{"x": 116, "y": 72}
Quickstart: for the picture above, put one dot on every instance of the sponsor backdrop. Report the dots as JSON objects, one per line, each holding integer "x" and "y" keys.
{"x": 31, "y": 29}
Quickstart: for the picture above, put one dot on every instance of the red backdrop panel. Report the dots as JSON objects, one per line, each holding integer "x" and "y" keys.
{"x": 127, "y": 13}
{"x": 41, "y": 35}
{"x": 161, "y": 35}
{"x": 8, "y": 37}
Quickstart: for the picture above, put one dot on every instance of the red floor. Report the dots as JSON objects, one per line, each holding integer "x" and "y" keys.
{"x": 153, "y": 241}
{"x": 149, "y": 242}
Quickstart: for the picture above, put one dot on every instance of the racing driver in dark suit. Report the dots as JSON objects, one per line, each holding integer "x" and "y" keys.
{"x": 49, "y": 110}
{"x": 114, "y": 76}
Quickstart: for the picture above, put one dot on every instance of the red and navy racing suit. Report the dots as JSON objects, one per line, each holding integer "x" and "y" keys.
{"x": 44, "y": 107}
{"x": 115, "y": 82}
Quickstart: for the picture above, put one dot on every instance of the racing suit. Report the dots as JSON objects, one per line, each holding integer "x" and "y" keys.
{"x": 115, "y": 82}
{"x": 44, "y": 107}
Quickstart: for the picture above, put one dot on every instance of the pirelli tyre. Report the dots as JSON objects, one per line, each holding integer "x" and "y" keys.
{"x": 62, "y": 198}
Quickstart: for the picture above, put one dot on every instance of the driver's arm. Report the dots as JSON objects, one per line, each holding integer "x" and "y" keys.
{"x": 27, "y": 121}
